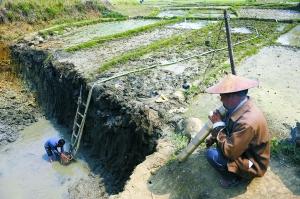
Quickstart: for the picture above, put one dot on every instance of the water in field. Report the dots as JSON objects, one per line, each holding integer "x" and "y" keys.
{"x": 87, "y": 33}
{"x": 241, "y": 30}
{"x": 25, "y": 172}
{"x": 172, "y": 13}
{"x": 292, "y": 38}
{"x": 192, "y": 25}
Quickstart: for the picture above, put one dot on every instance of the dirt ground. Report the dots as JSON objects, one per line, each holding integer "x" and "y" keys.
{"x": 277, "y": 69}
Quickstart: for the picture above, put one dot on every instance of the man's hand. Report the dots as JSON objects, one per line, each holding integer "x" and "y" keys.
{"x": 210, "y": 141}
{"x": 64, "y": 156}
{"x": 215, "y": 117}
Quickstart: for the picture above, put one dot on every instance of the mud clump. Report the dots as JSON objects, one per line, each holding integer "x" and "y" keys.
{"x": 7, "y": 134}
{"x": 88, "y": 189}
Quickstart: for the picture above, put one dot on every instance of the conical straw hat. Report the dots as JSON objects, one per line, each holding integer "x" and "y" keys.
{"x": 232, "y": 83}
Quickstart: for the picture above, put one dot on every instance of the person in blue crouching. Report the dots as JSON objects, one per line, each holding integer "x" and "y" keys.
{"x": 51, "y": 147}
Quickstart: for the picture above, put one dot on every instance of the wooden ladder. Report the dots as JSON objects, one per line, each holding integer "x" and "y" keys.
{"x": 79, "y": 122}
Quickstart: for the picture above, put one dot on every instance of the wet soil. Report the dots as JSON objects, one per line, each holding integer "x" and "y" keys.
{"x": 17, "y": 106}
{"x": 89, "y": 60}
{"x": 269, "y": 14}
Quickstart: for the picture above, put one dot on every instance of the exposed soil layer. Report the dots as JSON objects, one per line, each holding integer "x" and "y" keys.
{"x": 18, "y": 108}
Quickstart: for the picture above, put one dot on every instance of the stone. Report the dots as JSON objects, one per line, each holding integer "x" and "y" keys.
{"x": 191, "y": 126}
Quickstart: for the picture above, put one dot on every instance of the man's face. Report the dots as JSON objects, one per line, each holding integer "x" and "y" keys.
{"x": 227, "y": 100}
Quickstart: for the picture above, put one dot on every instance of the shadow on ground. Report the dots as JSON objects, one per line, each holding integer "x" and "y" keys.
{"x": 288, "y": 173}
{"x": 194, "y": 178}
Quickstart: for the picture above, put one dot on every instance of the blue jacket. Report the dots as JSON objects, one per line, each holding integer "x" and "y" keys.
{"x": 52, "y": 144}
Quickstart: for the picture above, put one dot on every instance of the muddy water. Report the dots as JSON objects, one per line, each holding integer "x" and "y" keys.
{"x": 172, "y": 13}
{"x": 191, "y": 25}
{"x": 25, "y": 172}
{"x": 103, "y": 29}
{"x": 292, "y": 38}
{"x": 242, "y": 30}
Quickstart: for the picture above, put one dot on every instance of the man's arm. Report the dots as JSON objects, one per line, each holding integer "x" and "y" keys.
{"x": 237, "y": 143}
{"x": 62, "y": 149}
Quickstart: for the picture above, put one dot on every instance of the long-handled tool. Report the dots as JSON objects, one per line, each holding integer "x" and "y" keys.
{"x": 198, "y": 139}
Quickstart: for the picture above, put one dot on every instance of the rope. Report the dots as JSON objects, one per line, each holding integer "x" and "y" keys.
{"x": 216, "y": 44}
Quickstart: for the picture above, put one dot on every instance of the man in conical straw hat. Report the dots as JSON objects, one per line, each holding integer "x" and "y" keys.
{"x": 242, "y": 135}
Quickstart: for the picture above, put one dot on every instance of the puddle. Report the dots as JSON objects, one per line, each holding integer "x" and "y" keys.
{"x": 25, "y": 171}
{"x": 292, "y": 38}
{"x": 192, "y": 25}
{"x": 87, "y": 33}
{"x": 242, "y": 30}
{"x": 175, "y": 68}
{"x": 280, "y": 27}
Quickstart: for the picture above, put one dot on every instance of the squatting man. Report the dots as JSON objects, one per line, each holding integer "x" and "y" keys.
{"x": 51, "y": 147}
{"x": 241, "y": 135}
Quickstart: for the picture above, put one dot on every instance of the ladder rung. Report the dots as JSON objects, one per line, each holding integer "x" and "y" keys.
{"x": 75, "y": 135}
{"x": 80, "y": 114}
{"x": 77, "y": 124}
{"x": 83, "y": 104}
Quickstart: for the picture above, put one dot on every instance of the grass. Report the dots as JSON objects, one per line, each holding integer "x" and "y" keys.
{"x": 129, "y": 33}
{"x": 137, "y": 53}
{"x": 33, "y": 11}
{"x": 180, "y": 141}
{"x": 284, "y": 148}
{"x": 191, "y": 92}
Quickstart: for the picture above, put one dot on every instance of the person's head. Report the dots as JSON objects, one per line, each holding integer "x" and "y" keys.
{"x": 231, "y": 100}
{"x": 61, "y": 142}
{"x": 232, "y": 89}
